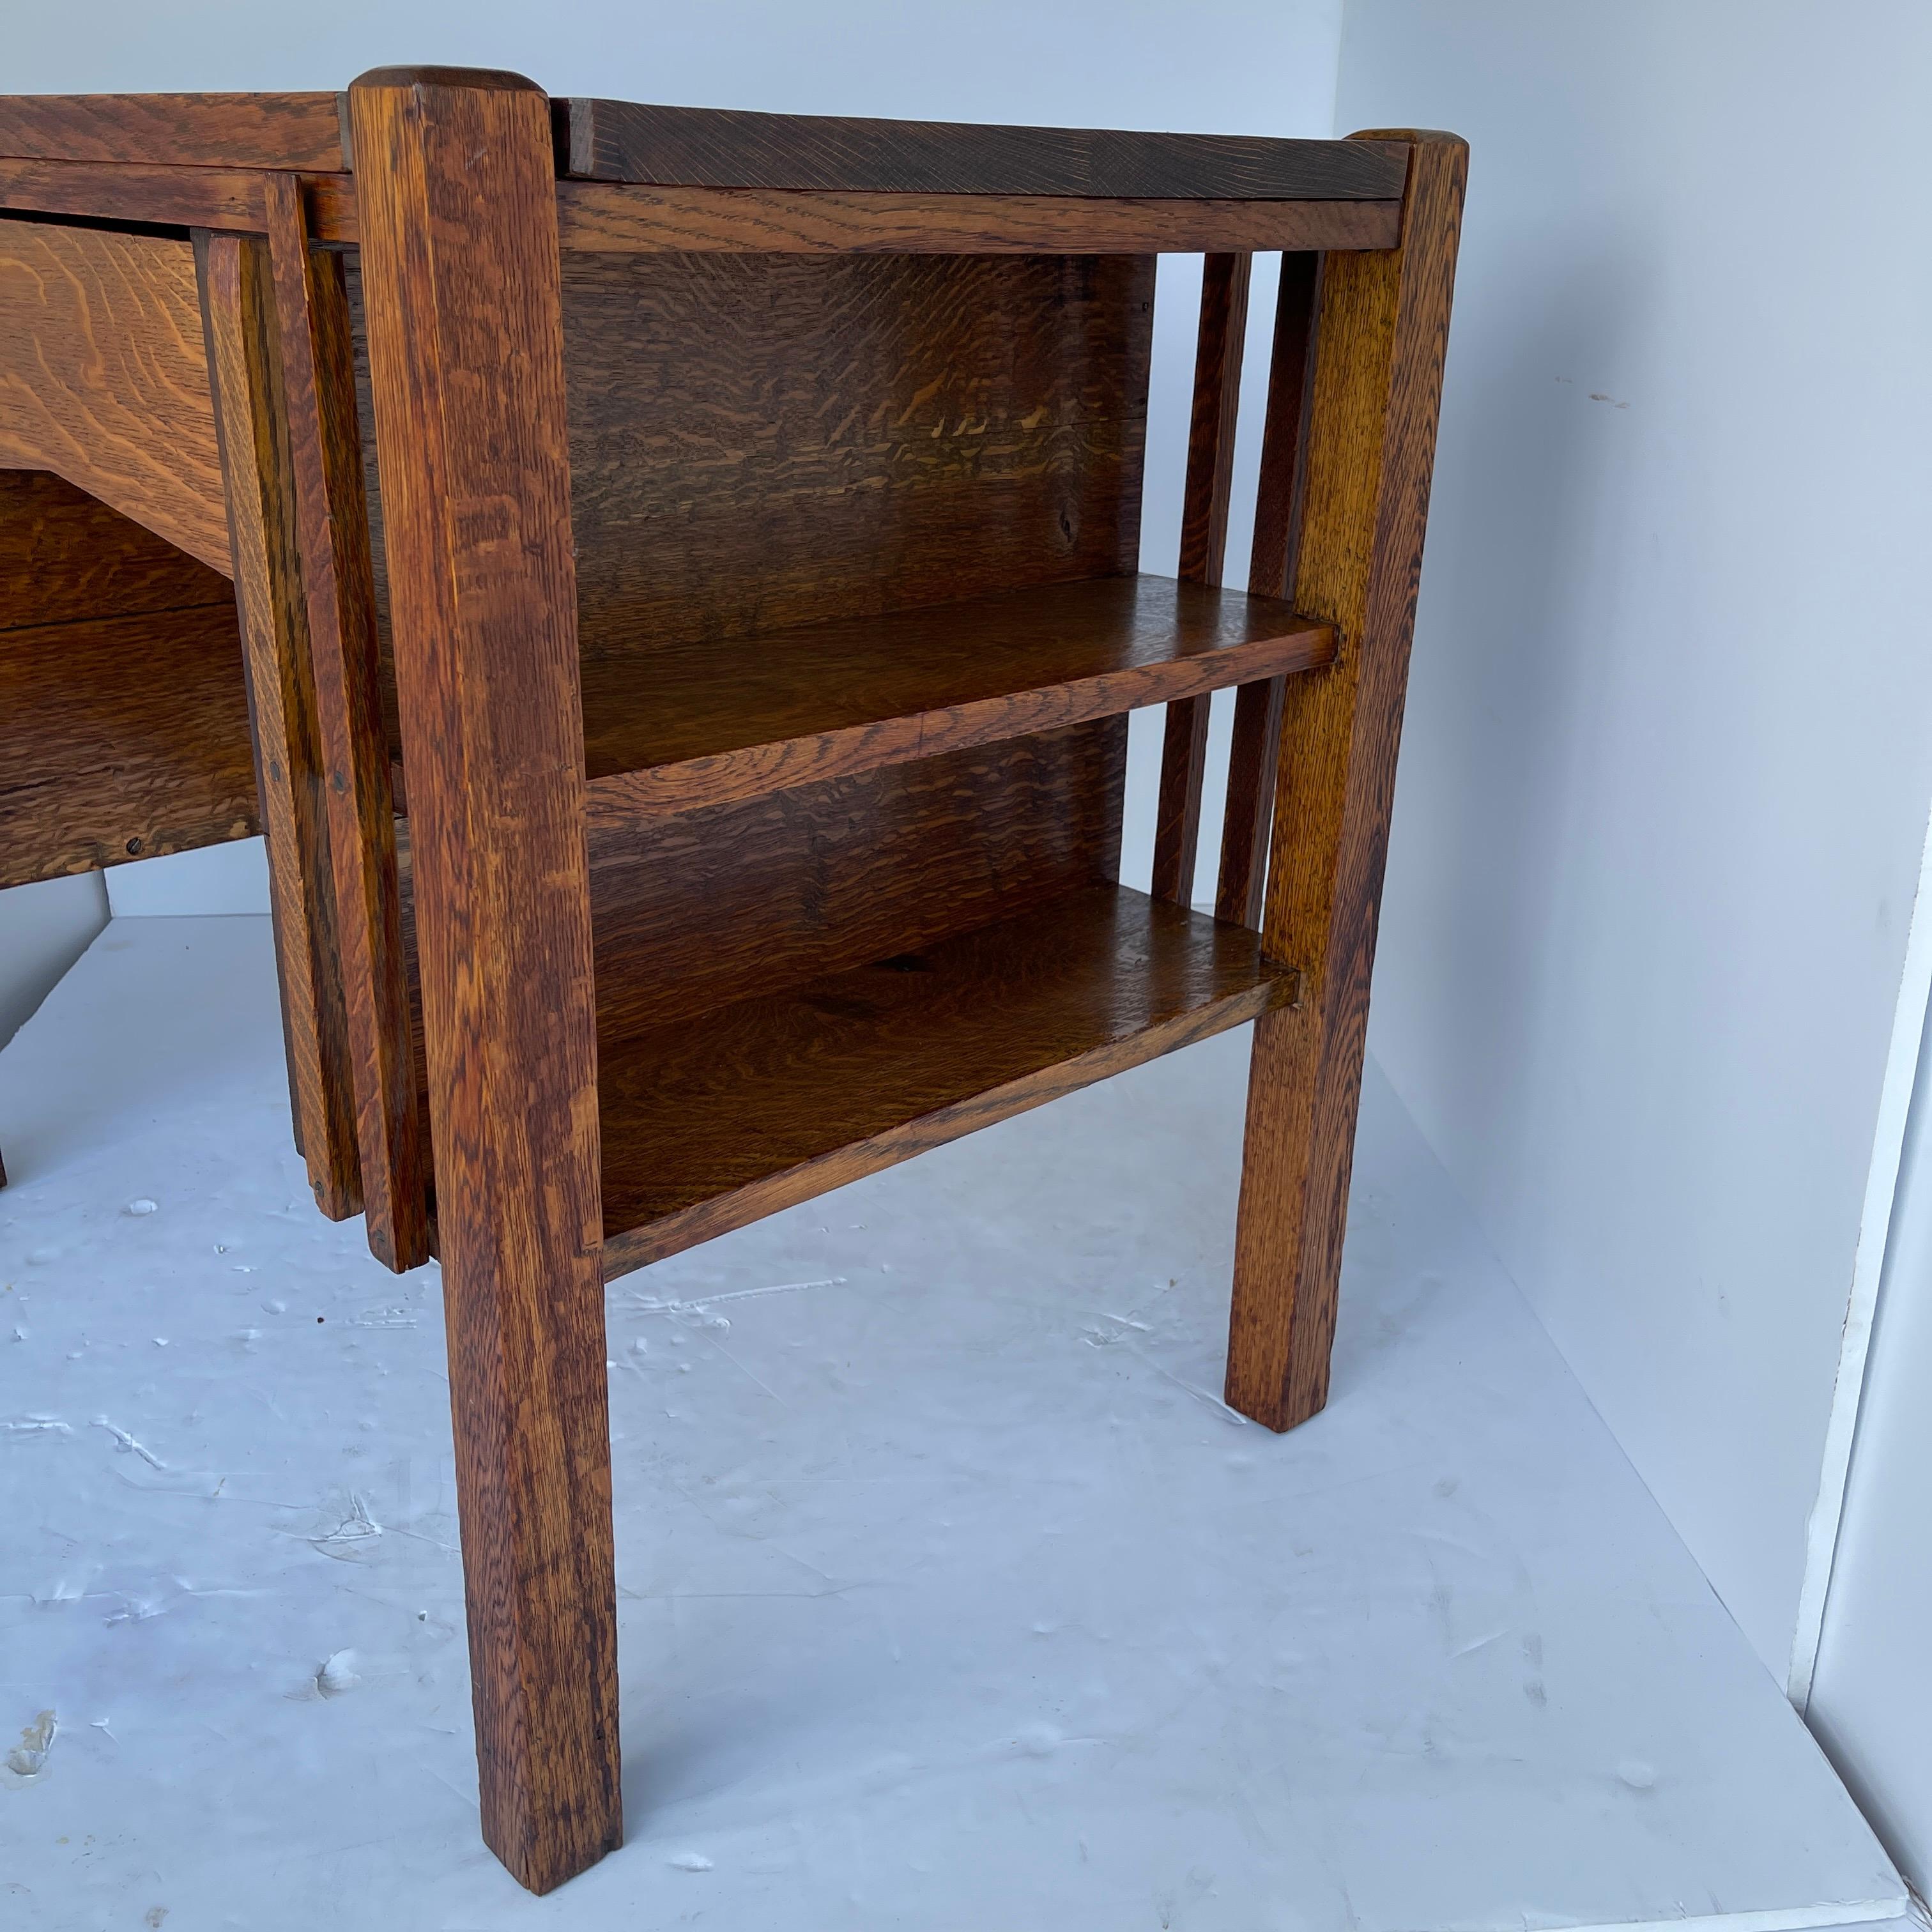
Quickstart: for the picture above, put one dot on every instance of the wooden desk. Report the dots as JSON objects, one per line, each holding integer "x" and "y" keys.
{"x": 684, "y": 604}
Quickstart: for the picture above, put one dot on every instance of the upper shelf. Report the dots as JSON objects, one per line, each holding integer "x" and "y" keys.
{"x": 668, "y": 727}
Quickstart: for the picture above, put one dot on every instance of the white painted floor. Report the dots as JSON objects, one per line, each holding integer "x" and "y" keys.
{"x": 952, "y": 1597}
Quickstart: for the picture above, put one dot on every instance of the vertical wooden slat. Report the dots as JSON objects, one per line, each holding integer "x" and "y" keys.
{"x": 1204, "y": 550}
{"x": 238, "y": 318}
{"x": 462, "y": 285}
{"x": 1256, "y": 744}
{"x": 1384, "y": 325}
{"x": 332, "y": 536}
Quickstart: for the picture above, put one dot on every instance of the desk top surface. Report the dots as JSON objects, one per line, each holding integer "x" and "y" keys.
{"x": 629, "y": 141}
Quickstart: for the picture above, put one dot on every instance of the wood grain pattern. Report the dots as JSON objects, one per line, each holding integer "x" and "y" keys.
{"x": 332, "y": 541}
{"x": 104, "y": 378}
{"x": 120, "y": 738}
{"x": 461, "y": 272}
{"x": 712, "y": 1123}
{"x": 630, "y": 141}
{"x": 702, "y": 723}
{"x": 1203, "y": 547}
{"x": 65, "y": 557}
{"x": 691, "y": 913}
{"x": 1383, "y": 328}
{"x": 123, "y": 719}
{"x": 756, "y": 444}
{"x": 239, "y": 307}
{"x": 205, "y": 131}
{"x": 612, "y": 218}
{"x": 694, "y": 912}
{"x": 163, "y": 197}
{"x": 604, "y": 217}
{"x": 1247, "y": 816}
{"x": 1254, "y": 746}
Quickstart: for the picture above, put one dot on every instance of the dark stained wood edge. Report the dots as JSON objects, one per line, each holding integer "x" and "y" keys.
{"x": 250, "y": 425}
{"x": 107, "y": 765}
{"x": 134, "y": 192}
{"x": 1247, "y": 819}
{"x": 208, "y": 130}
{"x": 140, "y": 195}
{"x": 664, "y": 789}
{"x": 703, "y": 147}
{"x": 607, "y": 217}
{"x": 1383, "y": 330}
{"x": 463, "y": 285}
{"x": 332, "y": 536}
{"x": 1176, "y": 824}
{"x": 616, "y": 218}
{"x": 104, "y": 378}
{"x": 1285, "y": 429}
{"x": 1204, "y": 549}
{"x": 626, "y": 1250}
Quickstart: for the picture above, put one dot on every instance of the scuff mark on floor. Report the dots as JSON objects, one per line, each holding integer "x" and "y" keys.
{"x": 128, "y": 1444}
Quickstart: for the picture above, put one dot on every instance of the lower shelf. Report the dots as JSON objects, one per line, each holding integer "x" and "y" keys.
{"x": 716, "y": 1121}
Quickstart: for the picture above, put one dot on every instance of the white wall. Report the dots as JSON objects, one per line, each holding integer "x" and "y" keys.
{"x": 1871, "y": 1697}
{"x": 1670, "y": 747}
{"x": 44, "y": 928}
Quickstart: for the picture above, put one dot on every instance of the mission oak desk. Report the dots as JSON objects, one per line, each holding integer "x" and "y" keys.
{"x": 665, "y": 582}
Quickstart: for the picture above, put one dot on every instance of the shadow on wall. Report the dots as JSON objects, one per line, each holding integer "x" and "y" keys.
{"x": 44, "y": 928}
{"x": 113, "y": 1048}
{"x": 1527, "y": 502}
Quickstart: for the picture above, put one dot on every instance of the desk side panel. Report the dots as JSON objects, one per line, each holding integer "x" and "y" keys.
{"x": 103, "y": 377}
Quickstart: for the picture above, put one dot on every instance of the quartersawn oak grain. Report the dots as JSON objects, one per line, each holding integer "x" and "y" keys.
{"x": 332, "y": 541}
{"x": 1382, "y": 330}
{"x": 65, "y": 557}
{"x": 251, "y": 416}
{"x": 104, "y": 378}
{"x": 462, "y": 279}
{"x": 121, "y": 738}
{"x": 200, "y": 130}
{"x": 701, "y": 723}
{"x": 711, "y": 1123}
{"x": 692, "y": 912}
{"x": 707, "y": 147}
{"x": 758, "y": 443}
{"x": 609, "y": 217}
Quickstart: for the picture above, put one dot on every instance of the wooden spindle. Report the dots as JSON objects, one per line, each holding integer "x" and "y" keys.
{"x": 1253, "y": 751}
{"x": 1204, "y": 550}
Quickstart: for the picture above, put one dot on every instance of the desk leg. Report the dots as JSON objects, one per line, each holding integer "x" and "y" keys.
{"x": 1383, "y": 324}
{"x": 462, "y": 289}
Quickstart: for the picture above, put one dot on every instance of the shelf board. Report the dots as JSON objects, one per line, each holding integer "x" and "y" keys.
{"x": 671, "y": 727}
{"x": 720, "y": 1119}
